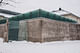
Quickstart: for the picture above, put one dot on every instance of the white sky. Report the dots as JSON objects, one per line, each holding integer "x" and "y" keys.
{"x": 50, "y": 5}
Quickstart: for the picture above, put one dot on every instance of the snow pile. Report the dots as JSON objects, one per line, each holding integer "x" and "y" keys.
{"x": 47, "y": 47}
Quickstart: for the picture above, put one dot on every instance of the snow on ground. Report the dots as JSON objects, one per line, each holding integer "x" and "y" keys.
{"x": 1, "y": 40}
{"x": 47, "y": 47}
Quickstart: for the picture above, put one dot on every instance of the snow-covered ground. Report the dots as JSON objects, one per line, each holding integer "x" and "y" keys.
{"x": 47, "y": 47}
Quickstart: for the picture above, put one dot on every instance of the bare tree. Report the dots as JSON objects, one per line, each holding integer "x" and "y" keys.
{"x": 2, "y": 2}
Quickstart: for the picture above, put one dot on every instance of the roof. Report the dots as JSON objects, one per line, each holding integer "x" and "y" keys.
{"x": 64, "y": 13}
{"x": 6, "y": 15}
{"x": 8, "y": 12}
{"x": 61, "y": 12}
{"x": 40, "y": 13}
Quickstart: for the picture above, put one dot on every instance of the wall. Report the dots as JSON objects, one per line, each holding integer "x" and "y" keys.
{"x": 34, "y": 30}
{"x": 56, "y": 30}
{"x": 4, "y": 32}
{"x": 45, "y": 30}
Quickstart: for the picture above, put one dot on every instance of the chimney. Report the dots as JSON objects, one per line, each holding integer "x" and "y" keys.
{"x": 60, "y": 9}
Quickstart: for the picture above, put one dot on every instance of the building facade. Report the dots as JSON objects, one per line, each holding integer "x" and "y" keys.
{"x": 40, "y": 26}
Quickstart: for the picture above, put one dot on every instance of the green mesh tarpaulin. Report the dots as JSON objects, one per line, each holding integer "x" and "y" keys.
{"x": 23, "y": 31}
{"x": 13, "y": 34}
{"x": 40, "y": 13}
{"x": 13, "y": 30}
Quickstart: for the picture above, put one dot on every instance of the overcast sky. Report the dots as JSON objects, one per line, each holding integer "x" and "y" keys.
{"x": 49, "y": 5}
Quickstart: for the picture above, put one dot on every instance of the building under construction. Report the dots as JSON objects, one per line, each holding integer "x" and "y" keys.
{"x": 39, "y": 26}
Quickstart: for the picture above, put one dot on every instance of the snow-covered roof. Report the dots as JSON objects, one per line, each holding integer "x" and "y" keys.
{"x": 61, "y": 12}
{"x": 8, "y": 12}
{"x": 6, "y": 15}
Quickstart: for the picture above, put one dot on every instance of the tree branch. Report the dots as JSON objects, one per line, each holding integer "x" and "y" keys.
{"x": 1, "y": 1}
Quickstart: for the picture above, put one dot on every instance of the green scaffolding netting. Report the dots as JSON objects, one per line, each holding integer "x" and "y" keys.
{"x": 40, "y": 13}
{"x": 36, "y": 14}
{"x": 17, "y": 30}
{"x": 13, "y": 30}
